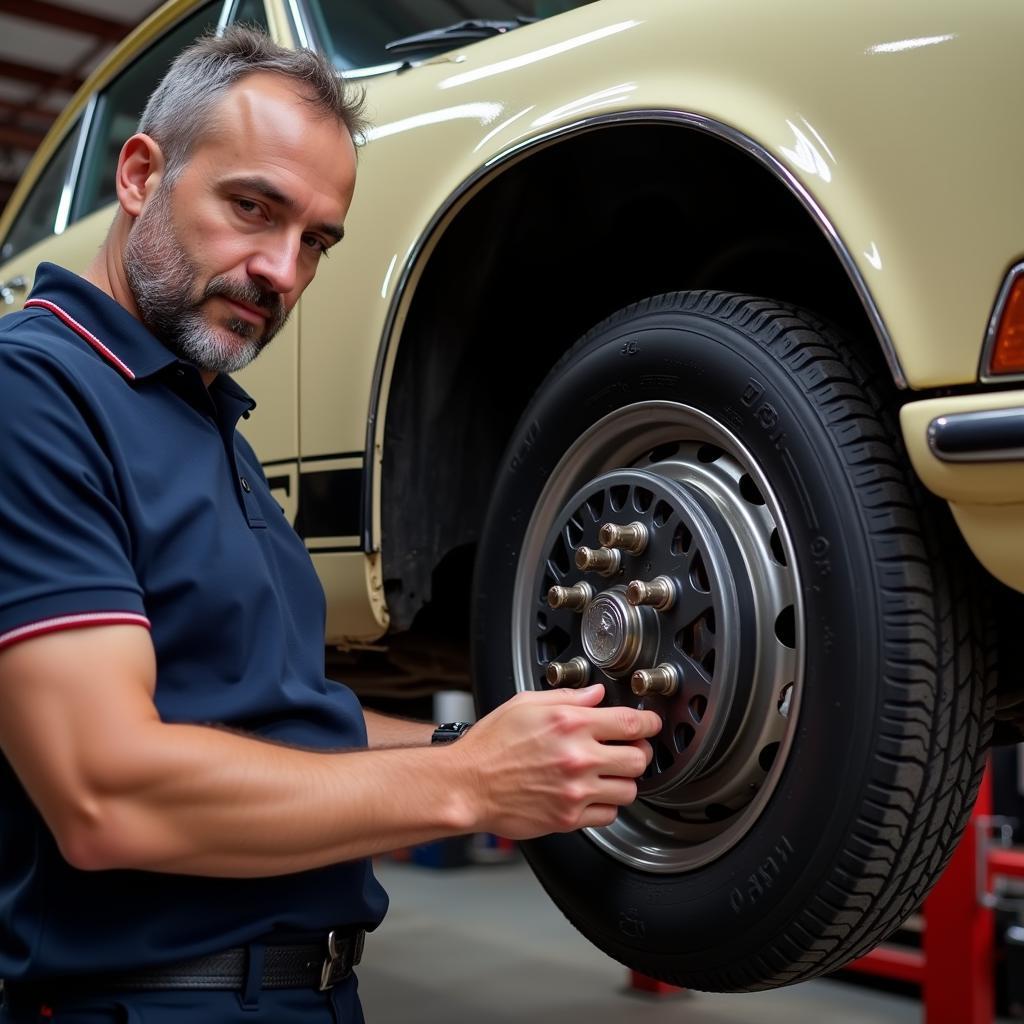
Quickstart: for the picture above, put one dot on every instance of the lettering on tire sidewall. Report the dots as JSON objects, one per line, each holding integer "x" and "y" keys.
{"x": 765, "y": 877}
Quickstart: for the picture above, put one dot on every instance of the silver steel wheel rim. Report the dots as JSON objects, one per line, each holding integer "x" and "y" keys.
{"x": 711, "y": 800}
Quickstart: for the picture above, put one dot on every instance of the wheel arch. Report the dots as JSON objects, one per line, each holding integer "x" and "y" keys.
{"x": 606, "y": 211}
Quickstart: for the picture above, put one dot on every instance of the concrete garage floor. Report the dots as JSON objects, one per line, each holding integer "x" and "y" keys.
{"x": 484, "y": 945}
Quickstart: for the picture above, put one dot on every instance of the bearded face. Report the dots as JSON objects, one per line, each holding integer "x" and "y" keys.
{"x": 173, "y": 301}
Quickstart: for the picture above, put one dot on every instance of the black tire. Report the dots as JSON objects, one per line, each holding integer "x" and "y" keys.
{"x": 870, "y": 775}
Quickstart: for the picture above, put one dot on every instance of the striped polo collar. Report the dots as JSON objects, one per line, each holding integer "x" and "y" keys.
{"x": 105, "y": 325}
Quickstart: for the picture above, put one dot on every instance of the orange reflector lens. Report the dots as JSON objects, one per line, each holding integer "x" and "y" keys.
{"x": 1008, "y": 350}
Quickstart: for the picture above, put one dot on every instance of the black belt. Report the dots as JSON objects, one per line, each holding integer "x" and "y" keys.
{"x": 321, "y": 965}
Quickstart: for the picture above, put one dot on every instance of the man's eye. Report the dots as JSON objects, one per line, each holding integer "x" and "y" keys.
{"x": 246, "y": 205}
{"x": 316, "y": 244}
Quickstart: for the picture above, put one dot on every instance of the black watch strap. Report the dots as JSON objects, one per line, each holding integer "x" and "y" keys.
{"x": 449, "y": 732}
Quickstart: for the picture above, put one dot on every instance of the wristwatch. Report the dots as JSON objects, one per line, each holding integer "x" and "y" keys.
{"x": 449, "y": 732}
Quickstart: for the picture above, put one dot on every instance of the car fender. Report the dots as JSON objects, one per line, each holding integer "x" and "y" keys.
{"x": 860, "y": 112}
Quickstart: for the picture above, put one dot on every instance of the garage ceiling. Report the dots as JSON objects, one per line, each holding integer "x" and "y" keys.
{"x": 47, "y": 49}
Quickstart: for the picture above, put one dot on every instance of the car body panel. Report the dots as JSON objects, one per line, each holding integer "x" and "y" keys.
{"x": 987, "y": 498}
{"x": 874, "y": 114}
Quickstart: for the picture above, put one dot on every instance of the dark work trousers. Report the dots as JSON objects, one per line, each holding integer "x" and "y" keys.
{"x": 269, "y": 1006}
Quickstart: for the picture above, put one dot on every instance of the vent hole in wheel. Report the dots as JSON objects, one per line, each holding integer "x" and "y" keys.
{"x": 551, "y": 645}
{"x": 595, "y": 505}
{"x": 663, "y": 451}
{"x": 662, "y": 756}
{"x": 692, "y": 638}
{"x": 708, "y": 453}
{"x": 618, "y": 496}
{"x": 785, "y": 700}
{"x": 642, "y": 499}
{"x": 542, "y": 621}
{"x": 717, "y": 812}
{"x": 681, "y": 540}
{"x": 776, "y": 543}
{"x": 684, "y": 734}
{"x": 685, "y": 640}
{"x": 574, "y": 529}
{"x": 785, "y": 627}
{"x": 561, "y": 560}
{"x": 708, "y": 663}
{"x": 696, "y": 639}
{"x": 699, "y": 575}
{"x": 662, "y": 513}
{"x": 698, "y": 706}
{"x": 749, "y": 490}
{"x": 767, "y": 756}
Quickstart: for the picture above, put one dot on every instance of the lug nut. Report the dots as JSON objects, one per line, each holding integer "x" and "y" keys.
{"x": 632, "y": 539}
{"x": 603, "y": 560}
{"x": 577, "y": 598}
{"x": 660, "y": 593}
{"x": 575, "y": 672}
{"x": 663, "y": 679}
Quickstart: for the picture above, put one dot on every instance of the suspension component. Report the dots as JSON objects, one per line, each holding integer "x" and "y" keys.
{"x": 632, "y": 539}
{"x": 575, "y": 672}
{"x": 606, "y": 561}
{"x": 577, "y": 597}
{"x": 663, "y": 679}
{"x": 660, "y": 593}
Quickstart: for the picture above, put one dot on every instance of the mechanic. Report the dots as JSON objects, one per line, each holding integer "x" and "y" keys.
{"x": 187, "y": 804}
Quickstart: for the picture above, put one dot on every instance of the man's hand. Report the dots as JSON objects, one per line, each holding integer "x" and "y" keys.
{"x": 552, "y": 761}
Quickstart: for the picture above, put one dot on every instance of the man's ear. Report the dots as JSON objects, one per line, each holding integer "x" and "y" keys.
{"x": 139, "y": 170}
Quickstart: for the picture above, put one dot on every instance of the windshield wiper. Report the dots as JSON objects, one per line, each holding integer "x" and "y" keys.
{"x": 450, "y": 36}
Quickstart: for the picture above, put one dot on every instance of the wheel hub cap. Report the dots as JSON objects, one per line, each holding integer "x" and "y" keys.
{"x": 612, "y": 632}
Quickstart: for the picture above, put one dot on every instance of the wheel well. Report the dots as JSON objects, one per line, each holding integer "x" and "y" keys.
{"x": 544, "y": 251}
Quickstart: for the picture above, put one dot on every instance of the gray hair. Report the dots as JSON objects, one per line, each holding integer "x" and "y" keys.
{"x": 181, "y": 107}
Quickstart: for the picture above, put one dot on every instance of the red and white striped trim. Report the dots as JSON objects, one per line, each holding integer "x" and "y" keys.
{"x": 83, "y": 332}
{"x": 72, "y": 622}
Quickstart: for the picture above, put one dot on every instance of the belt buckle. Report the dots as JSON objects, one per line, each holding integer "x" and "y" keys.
{"x": 340, "y": 958}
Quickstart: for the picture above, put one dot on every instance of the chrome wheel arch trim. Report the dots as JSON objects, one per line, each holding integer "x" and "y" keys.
{"x": 498, "y": 162}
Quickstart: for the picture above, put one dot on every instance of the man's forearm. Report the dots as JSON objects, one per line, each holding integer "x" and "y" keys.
{"x": 199, "y": 800}
{"x": 389, "y": 731}
{"x": 120, "y": 788}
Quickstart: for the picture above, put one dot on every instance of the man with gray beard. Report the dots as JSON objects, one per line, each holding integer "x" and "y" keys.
{"x": 188, "y": 805}
{"x": 164, "y": 283}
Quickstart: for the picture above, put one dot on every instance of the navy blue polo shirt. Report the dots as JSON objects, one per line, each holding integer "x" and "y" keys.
{"x": 127, "y": 496}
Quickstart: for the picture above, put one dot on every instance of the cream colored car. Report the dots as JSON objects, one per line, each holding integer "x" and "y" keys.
{"x": 675, "y": 344}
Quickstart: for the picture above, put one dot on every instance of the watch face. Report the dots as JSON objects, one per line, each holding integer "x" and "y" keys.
{"x": 449, "y": 731}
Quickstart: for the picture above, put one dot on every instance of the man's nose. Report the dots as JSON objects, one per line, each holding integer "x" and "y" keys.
{"x": 274, "y": 266}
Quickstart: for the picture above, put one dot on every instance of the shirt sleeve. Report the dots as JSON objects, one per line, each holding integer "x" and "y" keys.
{"x": 65, "y": 548}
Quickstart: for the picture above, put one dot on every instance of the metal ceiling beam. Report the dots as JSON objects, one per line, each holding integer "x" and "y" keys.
{"x": 32, "y": 113}
{"x": 20, "y": 138}
{"x": 66, "y": 17}
{"x": 36, "y": 76}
